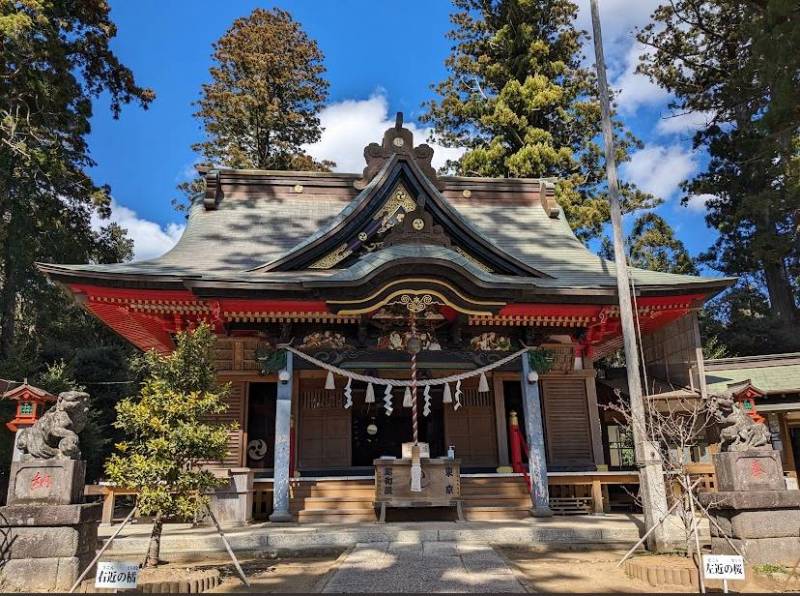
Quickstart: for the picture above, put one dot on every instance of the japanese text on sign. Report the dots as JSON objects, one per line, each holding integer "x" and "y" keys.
{"x": 116, "y": 574}
{"x": 723, "y": 567}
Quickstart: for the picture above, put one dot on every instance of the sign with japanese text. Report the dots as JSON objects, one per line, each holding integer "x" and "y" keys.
{"x": 723, "y": 567}
{"x": 116, "y": 574}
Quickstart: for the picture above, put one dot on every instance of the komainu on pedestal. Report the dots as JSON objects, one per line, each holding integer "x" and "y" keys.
{"x": 49, "y": 534}
{"x": 752, "y": 507}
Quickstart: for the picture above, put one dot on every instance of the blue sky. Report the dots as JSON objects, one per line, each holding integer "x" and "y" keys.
{"x": 382, "y": 57}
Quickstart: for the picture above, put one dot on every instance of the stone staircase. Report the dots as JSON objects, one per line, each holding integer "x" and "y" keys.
{"x": 351, "y": 501}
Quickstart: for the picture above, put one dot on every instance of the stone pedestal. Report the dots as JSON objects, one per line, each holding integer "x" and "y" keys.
{"x": 753, "y": 508}
{"x": 52, "y": 481}
{"x": 232, "y": 503}
{"x": 46, "y": 547}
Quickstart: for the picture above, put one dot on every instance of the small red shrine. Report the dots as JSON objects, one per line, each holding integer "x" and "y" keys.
{"x": 31, "y": 404}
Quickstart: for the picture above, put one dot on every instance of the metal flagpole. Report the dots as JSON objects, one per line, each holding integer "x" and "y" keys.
{"x": 651, "y": 474}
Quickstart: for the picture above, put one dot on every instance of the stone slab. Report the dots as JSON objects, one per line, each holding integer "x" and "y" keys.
{"x": 749, "y": 471}
{"x": 781, "y": 551}
{"x": 55, "y": 574}
{"x": 46, "y": 481}
{"x": 770, "y": 523}
{"x": 50, "y": 542}
{"x": 50, "y": 515}
{"x": 773, "y": 499}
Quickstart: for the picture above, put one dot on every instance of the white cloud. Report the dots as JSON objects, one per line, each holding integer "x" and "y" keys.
{"x": 659, "y": 170}
{"x": 698, "y": 202}
{"x": 636, "y": 90}
{"x": 351, "y": 125}
{"x": 687, "y": 122}
{"x": 149, "y": 238}
{"x": 618, "y": 18}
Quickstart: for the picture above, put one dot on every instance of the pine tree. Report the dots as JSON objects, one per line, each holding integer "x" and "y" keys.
{"x": 267, "y": 88}
{"x": 737, "y": 62}
{"x": 167, "y": 437}
{"x": 518, "y": 98}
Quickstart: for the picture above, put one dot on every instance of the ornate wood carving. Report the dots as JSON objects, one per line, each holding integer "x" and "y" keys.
{"x": 397, "y": 140}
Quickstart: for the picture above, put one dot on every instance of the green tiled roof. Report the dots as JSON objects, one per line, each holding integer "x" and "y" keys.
{"x": 773, "y": 374}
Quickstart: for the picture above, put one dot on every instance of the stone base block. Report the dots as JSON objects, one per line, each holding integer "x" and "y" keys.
{"x": 48, "y": 574}
{"x": 46, "y": 547}
{"x": 752, "y": 500}
{"x": 51, "y": 481}
{"x": 772, "y": 523}
{"x": 780, "y": 551}
{"x": 749, "y": 471}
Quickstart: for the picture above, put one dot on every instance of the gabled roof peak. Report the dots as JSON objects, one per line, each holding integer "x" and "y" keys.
{"x": 397, "y": 140}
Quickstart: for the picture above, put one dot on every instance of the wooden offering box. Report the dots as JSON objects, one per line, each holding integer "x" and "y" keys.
{"x": 441, "y": 484}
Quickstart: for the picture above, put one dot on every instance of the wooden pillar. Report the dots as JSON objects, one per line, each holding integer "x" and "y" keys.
{"x": 283, "y": 416}
{"x": 786, "y": 439}
{"x": 500, "y": 420}
{"x": 534, "y": 434}
{"x": 594, "y": 421}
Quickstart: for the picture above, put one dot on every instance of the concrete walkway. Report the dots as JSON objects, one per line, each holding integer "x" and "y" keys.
{"x": 419, "y": 567}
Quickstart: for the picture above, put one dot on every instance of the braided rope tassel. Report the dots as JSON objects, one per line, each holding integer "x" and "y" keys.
{"x": 414, "y": 421}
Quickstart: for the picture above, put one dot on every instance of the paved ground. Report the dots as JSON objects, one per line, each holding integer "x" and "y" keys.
{"x": 422, "y": 567}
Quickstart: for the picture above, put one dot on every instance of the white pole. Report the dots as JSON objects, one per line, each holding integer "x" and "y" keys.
{"x": 651, "y": 475}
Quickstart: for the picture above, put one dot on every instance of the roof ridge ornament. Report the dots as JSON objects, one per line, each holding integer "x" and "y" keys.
{"x": 397, "y": 140}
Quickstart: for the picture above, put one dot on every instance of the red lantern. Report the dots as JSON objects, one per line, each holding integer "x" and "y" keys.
{"x": 31, "y": 404}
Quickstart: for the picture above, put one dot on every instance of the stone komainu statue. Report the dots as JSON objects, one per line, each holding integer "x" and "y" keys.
{"x": 55, "y": 435}
{"x": 738, "y": 432}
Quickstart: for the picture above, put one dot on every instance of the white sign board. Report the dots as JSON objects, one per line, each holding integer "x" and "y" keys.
{"x": 116, "y": 574}
{"x": 723, "y": 567}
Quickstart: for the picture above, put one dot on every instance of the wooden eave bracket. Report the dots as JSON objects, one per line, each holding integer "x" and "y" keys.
{"x": 548, "y": 198}
{"x": 213, "y": 193}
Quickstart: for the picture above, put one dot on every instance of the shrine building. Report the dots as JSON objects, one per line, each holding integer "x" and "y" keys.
{"x": 347, "y": 269}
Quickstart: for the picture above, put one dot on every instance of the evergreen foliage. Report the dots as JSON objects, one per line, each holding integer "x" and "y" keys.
{"x": 267, "y": 88}
{"x": 167, "y": 435}
{"x": 737, "y": 62}
{"x": 521, "y": 102}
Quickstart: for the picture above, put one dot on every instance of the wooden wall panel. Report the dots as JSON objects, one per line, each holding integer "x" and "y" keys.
{"x": 472, "y": 429}
{"x": 324, "y": 428}
{"x": 567, "y": 427}
{"x": 237, "y": 400}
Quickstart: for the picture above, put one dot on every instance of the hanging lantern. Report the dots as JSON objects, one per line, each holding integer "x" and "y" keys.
{"x": 447, "y": 397}
{"x": 387, "y": 400}
{"x": 407, "y": 398}
{"x": 533, "y": 377}
{"x": 369, "y": 398}
{"x": 329, "y": 382}
{"x": 483, "y": 384}
{"x": 348, "y": 394}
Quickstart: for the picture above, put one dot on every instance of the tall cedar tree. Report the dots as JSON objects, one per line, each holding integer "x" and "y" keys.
{"x": 167, "y": 436}
{"x": 55, "y": 60}
{"x": 518, "y": 98}
{"x": 264, "y": 99}
{"x": 737, "y": 62}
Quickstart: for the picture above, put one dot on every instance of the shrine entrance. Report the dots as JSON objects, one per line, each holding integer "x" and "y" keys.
{"x": 375, "y": 435}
